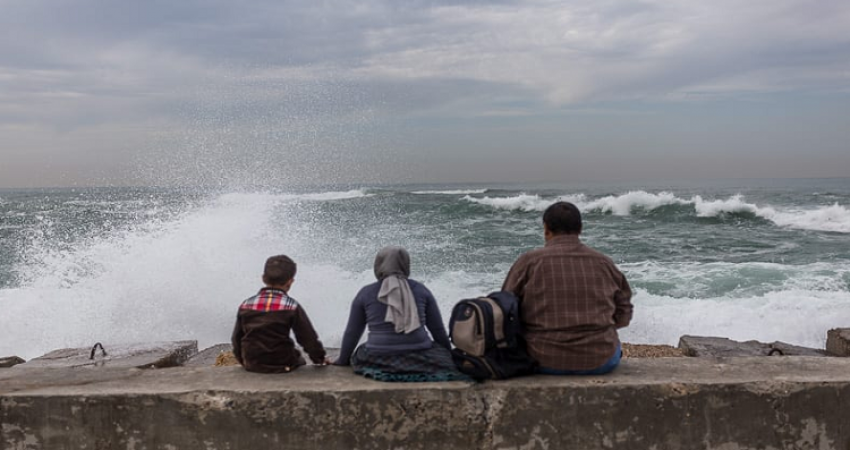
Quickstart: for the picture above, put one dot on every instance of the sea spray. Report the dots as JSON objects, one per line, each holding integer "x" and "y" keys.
{"x": 126, "y": 265}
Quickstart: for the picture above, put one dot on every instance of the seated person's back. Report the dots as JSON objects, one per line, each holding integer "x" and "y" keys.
{"x": 261, "y": 341}
{"x": 572, "y": 298}
{"x": 382, "y": 337}
{"x": 397, "y": 311}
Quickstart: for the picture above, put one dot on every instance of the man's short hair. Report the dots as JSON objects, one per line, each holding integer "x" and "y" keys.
{"x": 279, "y": 270}
{"x": 562, "y": 218}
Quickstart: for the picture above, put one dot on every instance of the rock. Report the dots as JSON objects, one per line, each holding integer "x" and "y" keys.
{"x": 794, "y": 350}
{"x": 226, "y": 359}
{"x": 717, "y": 346}
{"x": 838, "y": 342}
{"x": 142, "y": 356}
{"x": 723, "y": 347}
{"x": 10, "y": 361}
{"x": 650, "y": 351}
{"x": 222, "y": 355}
{"x": 208, "y": 356}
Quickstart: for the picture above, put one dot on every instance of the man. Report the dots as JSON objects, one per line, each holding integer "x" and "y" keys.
{"x": 572, "y": 299}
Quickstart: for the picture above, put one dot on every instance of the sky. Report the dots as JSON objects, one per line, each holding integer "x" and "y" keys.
{"x": 113, "y": 92}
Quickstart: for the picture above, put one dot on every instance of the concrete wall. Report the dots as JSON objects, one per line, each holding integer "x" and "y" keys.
{"x": 667, "y": 403}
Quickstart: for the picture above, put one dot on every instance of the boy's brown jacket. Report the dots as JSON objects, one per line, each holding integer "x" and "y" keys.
{"x": 261, "y": 341}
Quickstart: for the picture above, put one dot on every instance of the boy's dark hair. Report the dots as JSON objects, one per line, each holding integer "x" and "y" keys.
{"x": 279, "y": 270}
{"x": 562, "y": 218}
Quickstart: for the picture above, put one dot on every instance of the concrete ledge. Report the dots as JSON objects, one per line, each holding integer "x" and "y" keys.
{"x": 665, "y": 403}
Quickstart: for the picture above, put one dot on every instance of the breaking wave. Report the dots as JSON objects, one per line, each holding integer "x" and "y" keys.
{"x": 327, "y": 196}
{"x": 521, "y": 202}
{"x": 833, "y": 218}
{"x": 452, "y": 192}
{"x": 623, "y": 205}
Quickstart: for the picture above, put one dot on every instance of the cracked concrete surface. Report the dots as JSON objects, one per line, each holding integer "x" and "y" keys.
{"x": 665, "y": 403}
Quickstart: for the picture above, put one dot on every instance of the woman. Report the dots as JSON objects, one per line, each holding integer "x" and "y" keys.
{"x": 396, "y": 308}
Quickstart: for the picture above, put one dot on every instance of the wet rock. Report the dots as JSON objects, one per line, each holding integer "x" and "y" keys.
{"x": 838, "y": 342}
{"x": 724, "y": 347}
{"x": 10, "y": 361}
{"x": 142, "y": 356}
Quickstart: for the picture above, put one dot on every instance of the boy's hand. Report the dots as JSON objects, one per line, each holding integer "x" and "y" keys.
{"x": 327, "y": 361}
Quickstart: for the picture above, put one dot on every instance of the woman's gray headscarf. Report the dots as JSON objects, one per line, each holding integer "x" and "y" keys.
{"x": 392, "y": 265}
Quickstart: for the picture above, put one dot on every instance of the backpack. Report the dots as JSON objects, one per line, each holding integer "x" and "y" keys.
{"x": 486, "y": 332}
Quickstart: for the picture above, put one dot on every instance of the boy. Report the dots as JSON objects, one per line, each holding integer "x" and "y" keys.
{"x": 261, "y": 341}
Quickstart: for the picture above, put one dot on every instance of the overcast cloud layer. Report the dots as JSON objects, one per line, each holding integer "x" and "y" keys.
{"x": 191, "y": 92}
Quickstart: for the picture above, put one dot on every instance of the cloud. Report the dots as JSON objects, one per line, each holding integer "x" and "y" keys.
{"x": 193, "y": 67}
{"x": 572, "y": 52}
{"x": 565, "y": 51}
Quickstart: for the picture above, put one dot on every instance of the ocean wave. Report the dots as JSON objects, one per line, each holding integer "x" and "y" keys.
{"x": 271, "y": 198}
{"x": 661, "y": 319}
{"x": 622, "y": 205}
{"x": 521, "y": 202}
{"x": 692, "y": 280}
{"x": 834, "y": 218}
{"x": 452, "y": 192}
{"x": 734, "y": 204}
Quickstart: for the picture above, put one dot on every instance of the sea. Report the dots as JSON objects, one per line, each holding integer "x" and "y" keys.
{"x": 744, "y": 259}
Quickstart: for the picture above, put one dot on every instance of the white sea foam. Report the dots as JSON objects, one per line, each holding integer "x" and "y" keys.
{"x": 795, "y": 316}
{"x": 452, "y": 192}
{"x": 834, "y": 218}
{"x": 748, "y": 279}
{"x": 734, "y": 204}
{"x": 522, "y": 202}
{"x": 622, "y": 205}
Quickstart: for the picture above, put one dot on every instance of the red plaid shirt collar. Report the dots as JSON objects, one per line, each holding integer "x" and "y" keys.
{"x": 270, "y": 299}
